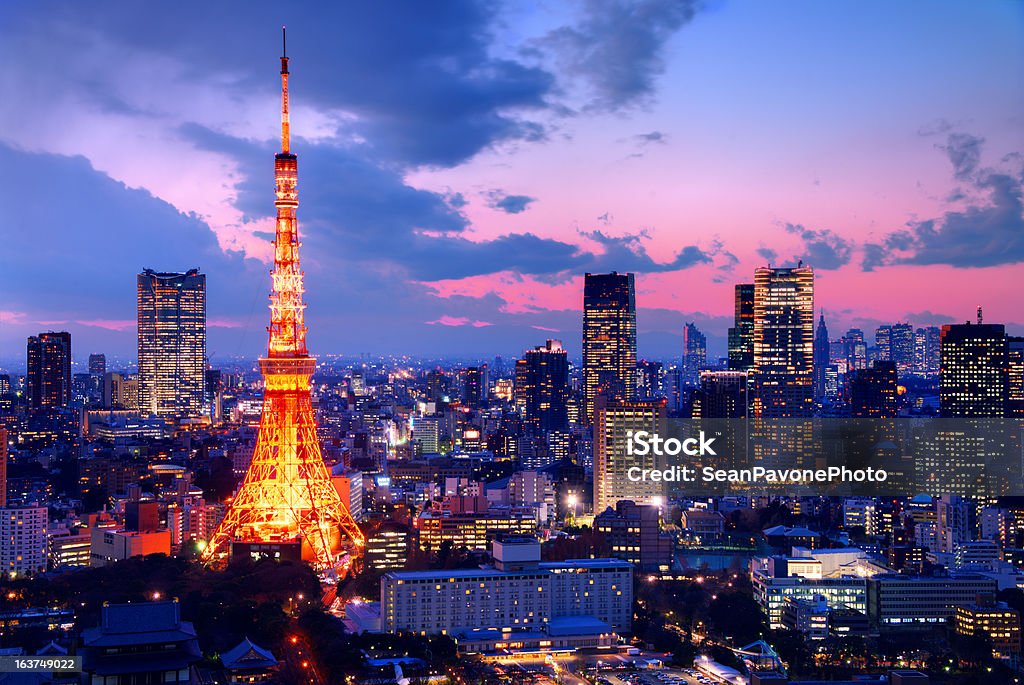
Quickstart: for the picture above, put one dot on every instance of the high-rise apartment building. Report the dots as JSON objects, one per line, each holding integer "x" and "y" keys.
{"x": 973, "y": 374}
{"x": 612, "y": 422}
{"x": 172, "y": 342}
{"x": 695, "y": 353}
{"x": 783, "y": 341}
{"x": 23, "y": 539}
{"x": 542, "y": 387}
{"x": 741, "y": 334}
{"x": 609, "y": 339}
{"x": 48, "y": 381}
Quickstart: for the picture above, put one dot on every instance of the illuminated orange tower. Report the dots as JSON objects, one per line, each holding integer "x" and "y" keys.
{"x": 287, "y": 501}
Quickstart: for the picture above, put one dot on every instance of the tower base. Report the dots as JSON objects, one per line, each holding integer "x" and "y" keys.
{"x": 254, "y": 549}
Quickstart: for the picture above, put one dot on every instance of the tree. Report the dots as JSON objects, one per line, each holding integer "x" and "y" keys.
{"x": 736, "y": 617}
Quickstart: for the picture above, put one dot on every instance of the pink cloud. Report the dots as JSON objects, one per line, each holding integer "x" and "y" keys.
{"x": 117, "y": 325}
{"x": 9, "y": 317}
{"x": 457, "y": 321}
{"x": 223, "y": 323}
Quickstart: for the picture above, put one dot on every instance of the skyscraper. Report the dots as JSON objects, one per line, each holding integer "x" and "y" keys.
{"x": 855, "y": 350}
{"x": 48, "y": 382}
{"x": 927, "y": 350}
{"x": 873, "y": 391}
{"x": 97, "y": 364}
{"x": 172, "y": 342}
{"x": 287, "y": 505}
{"x": 973, "y": 374}
{"x": 609, "y": 339}
{"x": 783, "y": 341}
{"x": 741, "y": 335}
{"x": 902, "y": 347}
{"x": 612, "y": 422}
{"x": 695, "y": 353}
{"x": 883, "y": 342}
{"x": 821, "y": 354}
{"x": 650, "y": 379}
{"x": 721, "y": 395}
{"x": 1015, "y": 377}
{"x": 474, "y": 385}
{"x": 542, "y": 387}
{"x": 3, "y": 467}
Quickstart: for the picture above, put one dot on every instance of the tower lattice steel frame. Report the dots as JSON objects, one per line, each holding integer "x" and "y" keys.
{"x": 287, "y": 493}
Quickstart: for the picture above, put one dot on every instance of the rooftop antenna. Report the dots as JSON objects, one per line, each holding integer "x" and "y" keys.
{"x": 979, "y": 315}
{"x": 286, "y": 134}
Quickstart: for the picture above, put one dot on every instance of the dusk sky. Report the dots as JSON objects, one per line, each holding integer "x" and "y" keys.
{"x": 461, "y": 164}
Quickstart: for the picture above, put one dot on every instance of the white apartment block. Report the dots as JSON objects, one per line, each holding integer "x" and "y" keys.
{"x": 23, "y": 540}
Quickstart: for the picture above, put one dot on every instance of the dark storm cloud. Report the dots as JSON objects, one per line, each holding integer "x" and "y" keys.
{"x": 989, "y": 231}
{"x": 823, "y": 249}
{"x": 510, "y": 204}
{"x": 419, "y": 77}
{"x": 618, "y": 46}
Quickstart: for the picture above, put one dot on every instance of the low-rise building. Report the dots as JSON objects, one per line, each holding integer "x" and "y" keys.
{"x": 995, "y": 620}
{"x": 108, "y": 545}
{"x": 518, "y": 595}
{"x": 145, "y": 642}
{"x": 901, "y": 602}
{"x": 633, "y": 532}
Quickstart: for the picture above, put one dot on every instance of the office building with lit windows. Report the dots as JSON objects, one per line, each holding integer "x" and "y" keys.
{"x": 48, "y": 381}
{"x": 898, "y": 601}
{"x": 1015, "y": 376}
{"x": 632, "y": 532}
{"x": 996, "y": 621}
{"x": 542, "y": 387}
{"x": 973, "y": 372}
{"x": 783, "y": 341}
{"x": 720, "y": 395}
{"x": 609, "y": 339}
{"x": 612, "y": 422}
{"x": 741, "y": 334}
{"x": 172, "y": 342}
{"x": 472, "y": 529}
{"x": 387, "y": 548}
{"x": 873, "y": 391}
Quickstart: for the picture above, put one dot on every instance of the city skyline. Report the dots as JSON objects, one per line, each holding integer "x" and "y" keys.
{"x": 465, "y": 219}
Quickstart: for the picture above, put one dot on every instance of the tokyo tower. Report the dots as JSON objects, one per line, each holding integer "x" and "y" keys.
{"x": 287, "y": 505}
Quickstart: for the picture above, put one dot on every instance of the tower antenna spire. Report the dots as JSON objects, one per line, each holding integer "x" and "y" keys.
{"x": 286, "y": 133}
